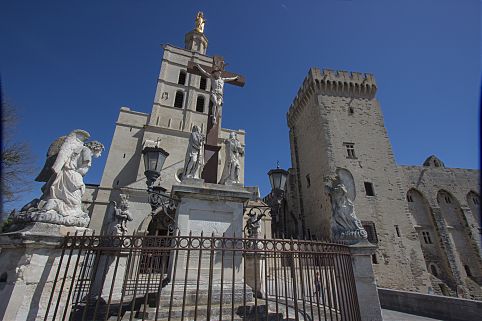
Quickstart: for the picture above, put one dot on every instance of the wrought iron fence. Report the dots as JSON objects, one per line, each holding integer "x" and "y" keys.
{"x": 201, "y": 278}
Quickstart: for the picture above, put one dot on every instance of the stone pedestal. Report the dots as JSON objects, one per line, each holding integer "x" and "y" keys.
{"x": 210, "y": 209}
{"x": 255, "y": 276}
{"x": 366, "y": 287}
{"x": 29, "y": 260}
{"x": 108, "y": 277}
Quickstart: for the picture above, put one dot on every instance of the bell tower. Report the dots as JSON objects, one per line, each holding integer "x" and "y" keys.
{"x": 195, "y": 40}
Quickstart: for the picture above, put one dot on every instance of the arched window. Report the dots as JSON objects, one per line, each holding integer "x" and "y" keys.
{"x": 473, "y": 200}
{"x": 179, "y": 99}
{"x": 203, "y": 84}
{"x": 182, "y": 78}
{"x": 433, "y": 270}
{"x": 200, "y": 104}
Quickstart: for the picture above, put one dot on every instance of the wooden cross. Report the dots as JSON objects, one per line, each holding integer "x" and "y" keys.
{"x": 211, "y": 147}
{"x": 218, "y": 64}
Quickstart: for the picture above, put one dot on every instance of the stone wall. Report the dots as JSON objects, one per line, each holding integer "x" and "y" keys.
{"x": 434, "y": 306}
{"x": 331, "y": 111}
{"x": 444, "y": 203}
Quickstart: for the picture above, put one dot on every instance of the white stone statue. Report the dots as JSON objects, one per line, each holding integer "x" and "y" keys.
{"x": 68, "y": 160}
{"x": 217, "y": 88}
{"x": 194, "y": 161}
{"x": 231, "y": 169}
{"x": 345, "y": 225}
{"x": 121, "y": 216}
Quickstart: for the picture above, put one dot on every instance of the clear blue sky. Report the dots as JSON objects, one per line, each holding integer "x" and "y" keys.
{"x": 73, "y": 64}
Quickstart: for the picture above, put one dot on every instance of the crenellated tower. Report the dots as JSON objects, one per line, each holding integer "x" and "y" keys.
{"x": 335, "y": 123}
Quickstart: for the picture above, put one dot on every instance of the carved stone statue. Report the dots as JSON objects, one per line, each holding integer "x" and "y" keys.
{"x": 345, "y": 225}
{"x": 194, "y": 161}
{"x": 200, "y": 22}
{"x": 121, "y": 216}
{"x": 217, "y": 88}
{"x": 231, "y": 169}
{"x": 253, "y": 227}
{"x": 68, "y": 160}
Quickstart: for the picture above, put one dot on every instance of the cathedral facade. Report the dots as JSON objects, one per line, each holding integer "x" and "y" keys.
{"x": 425, "y": 219}
{"x": 181, "y": 101}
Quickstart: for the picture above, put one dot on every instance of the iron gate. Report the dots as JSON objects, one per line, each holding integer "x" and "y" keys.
{"x": 201, "y": 278}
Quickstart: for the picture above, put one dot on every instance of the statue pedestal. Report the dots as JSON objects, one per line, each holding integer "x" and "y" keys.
{"x": 366, "y": 287}
{"x": 210, "y": 209}
{"x": 29, "y": 260}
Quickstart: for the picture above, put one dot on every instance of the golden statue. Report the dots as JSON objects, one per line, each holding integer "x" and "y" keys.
{"x": 200, "y": 22}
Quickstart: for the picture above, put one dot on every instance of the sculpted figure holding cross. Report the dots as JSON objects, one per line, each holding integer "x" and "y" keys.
{"x": 217, "y": 88}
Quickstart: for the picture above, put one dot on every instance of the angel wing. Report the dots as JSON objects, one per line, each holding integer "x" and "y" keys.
{"x": 73, "y": 143}
{"x": 60, "y": 151}
{"x": 347, "y": 180}
{"x": 52, "y": 152}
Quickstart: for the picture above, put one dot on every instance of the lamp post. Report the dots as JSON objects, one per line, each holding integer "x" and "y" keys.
{"x": 154, "y": 158}
{"x": 277, "y": 178}
{"x": 163, "y": 207}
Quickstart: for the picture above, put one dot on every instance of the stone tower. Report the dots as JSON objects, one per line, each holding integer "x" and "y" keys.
{"x": 335, "y": 122}
{"x": 181, "y": 100}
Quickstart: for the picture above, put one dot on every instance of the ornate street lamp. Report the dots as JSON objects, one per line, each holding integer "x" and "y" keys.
{"x": 277, "y": 178}
{"x": 154, "y": 158}
{"x": 163, "y": 206}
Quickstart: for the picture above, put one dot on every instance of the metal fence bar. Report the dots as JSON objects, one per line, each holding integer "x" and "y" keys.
{"x": 188, "y": 256}
{"x": 73, "y": 277}
{"x": 221, "y": 298}
{"x": 298, "y": 279}
{"x": 124, "y": 283}
{"x": 65, "y": 276}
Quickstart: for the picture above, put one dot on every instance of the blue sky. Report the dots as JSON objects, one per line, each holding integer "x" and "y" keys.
{"x": 73, "y": 64}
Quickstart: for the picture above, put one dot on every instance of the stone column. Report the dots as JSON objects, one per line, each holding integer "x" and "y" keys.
{"x": 255, "y": 276}
{"x": 29, "y": 260}
{"x": 366, "y": 287}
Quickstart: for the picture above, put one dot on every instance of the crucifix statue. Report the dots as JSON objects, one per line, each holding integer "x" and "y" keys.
{"x": 218, "y": 77}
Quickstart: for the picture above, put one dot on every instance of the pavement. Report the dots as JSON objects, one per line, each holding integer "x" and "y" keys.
{"x": 391, "y": 315}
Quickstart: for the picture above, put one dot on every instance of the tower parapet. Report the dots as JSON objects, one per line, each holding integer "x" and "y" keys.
{"x": 332, "y": 83}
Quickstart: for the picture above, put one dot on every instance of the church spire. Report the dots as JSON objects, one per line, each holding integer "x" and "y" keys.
{"x": 195, "y": 40}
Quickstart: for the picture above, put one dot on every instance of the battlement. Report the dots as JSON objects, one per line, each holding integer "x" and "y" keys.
{"x": 332, "y": 83}
{"x": 344, "y": 83}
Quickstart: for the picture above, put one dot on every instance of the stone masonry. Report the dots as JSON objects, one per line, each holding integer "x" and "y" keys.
{"x": 180, "y": 102}
{"x": 336, "y": 122}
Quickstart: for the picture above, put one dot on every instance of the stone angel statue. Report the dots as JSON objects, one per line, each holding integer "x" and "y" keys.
{"x": 345, "y": 225}
{"x": 68, "y": 160}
